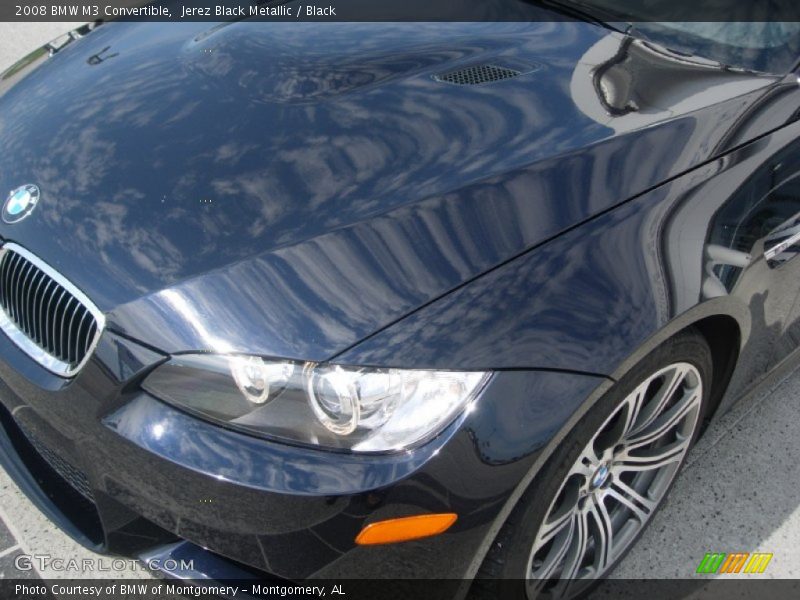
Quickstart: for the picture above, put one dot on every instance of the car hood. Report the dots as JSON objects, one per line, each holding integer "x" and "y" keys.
{"x": 289, "y": 189}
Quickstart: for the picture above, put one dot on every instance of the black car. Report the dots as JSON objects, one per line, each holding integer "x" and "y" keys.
{"x": 415, "y": 300}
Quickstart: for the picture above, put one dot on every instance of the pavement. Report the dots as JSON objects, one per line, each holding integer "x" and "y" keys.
{"x": 18, "y": 39}
{"x": 739, "y": 492}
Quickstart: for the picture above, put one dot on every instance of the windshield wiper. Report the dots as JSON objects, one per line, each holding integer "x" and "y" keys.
{"x": 588, "y": 13}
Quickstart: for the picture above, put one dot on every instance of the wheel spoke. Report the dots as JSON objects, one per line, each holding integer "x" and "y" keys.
{"x": 556, "y": 554}
{"x": 604, "y": 540}
{"x": 665, "y": 422}
{"x": 554, "y": 525}
{"x": 580, "y": 541}
{"x": 651, "y": 459}
{"x": 640, "y": 506}
{"x": 633, "y": 406}
{"x": 663, "y": 396}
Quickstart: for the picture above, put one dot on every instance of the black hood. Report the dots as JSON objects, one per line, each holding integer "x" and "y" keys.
{"x": 288, "y": 189}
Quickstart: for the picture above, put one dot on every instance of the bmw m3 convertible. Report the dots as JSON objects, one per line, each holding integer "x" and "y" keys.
{"x": 390, "y": 300}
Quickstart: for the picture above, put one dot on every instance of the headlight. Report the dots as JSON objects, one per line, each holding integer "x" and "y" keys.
{"x": 359, "y": 409}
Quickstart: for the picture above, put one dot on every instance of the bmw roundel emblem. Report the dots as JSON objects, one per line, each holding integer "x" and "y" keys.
{"x": 20, "y": 203}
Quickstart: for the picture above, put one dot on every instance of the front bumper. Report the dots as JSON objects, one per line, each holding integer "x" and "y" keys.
{"x": 133, "y": 474}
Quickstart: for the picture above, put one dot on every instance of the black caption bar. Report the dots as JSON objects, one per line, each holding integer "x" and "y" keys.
{"x": 699, "y": 588}
{"x": 401, "y": 10}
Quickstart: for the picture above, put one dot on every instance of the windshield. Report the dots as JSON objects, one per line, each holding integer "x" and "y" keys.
{"x": 769, "y": 47}
{"x": 740, "y": 42}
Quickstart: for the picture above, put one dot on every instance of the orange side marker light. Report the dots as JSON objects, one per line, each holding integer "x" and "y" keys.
{"x": 405, "y": 529}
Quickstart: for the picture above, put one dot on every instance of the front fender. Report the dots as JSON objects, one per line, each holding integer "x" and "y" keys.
{"x": 603, "y": 295}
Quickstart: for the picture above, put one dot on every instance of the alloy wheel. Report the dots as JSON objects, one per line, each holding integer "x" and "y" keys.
{"x": 615, "y": 485}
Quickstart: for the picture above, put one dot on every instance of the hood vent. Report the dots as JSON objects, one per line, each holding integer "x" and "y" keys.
{"x": 477, "y": 75}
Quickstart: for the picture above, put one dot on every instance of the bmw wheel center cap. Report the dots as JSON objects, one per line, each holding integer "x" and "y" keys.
{"x": 20, "y": 203}
{"x": 600, "y": 476}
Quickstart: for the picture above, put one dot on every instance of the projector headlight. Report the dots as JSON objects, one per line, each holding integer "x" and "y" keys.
{"x": 358, "y": 409}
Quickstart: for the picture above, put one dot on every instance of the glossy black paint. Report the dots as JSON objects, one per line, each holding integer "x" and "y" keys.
{"x": 218, "y": 189}
{"x": 339, "y": 180}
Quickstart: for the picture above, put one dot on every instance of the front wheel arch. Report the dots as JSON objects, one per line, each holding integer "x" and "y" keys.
{"x": 503, "y": 558}
{"x": 722, "y": 322}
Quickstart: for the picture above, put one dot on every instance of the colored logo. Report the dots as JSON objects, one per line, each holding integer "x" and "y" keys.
{"x": 20, "y": 203}
{"x": 736, "y": 562}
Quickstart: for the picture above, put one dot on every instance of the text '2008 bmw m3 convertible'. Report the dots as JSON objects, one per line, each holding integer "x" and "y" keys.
{"x": 415, "y": 300}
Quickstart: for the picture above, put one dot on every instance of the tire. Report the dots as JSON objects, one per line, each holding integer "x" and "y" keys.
{"x": 572, "y": 486}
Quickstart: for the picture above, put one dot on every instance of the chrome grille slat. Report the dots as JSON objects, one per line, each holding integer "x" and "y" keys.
{"x": 23, "y": 274}
{"x": 15, "y": 287}
{"x": 7, "y": 298}
{"x": 53, "y": 337}
{"x": 48, "y": 338}
{"x": 91, "y": 335}
{"x": 27, "y": 282}
{"x": 68, "y": 337}
{"x": 78, "y": 335}
{"x": 48, "y": 283}
{"x": 44, "y": 314}
{"x": 62, "y": 317}
{"x": 10, "y": 277}
{"x": 35, "y": 286}
{"x": 36, "y": 294}
{"x": 6, "y": 277}
{"x": 41, "y": 295}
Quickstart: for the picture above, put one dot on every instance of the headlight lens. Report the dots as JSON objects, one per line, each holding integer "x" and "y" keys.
{"x": 359, "y": 409}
